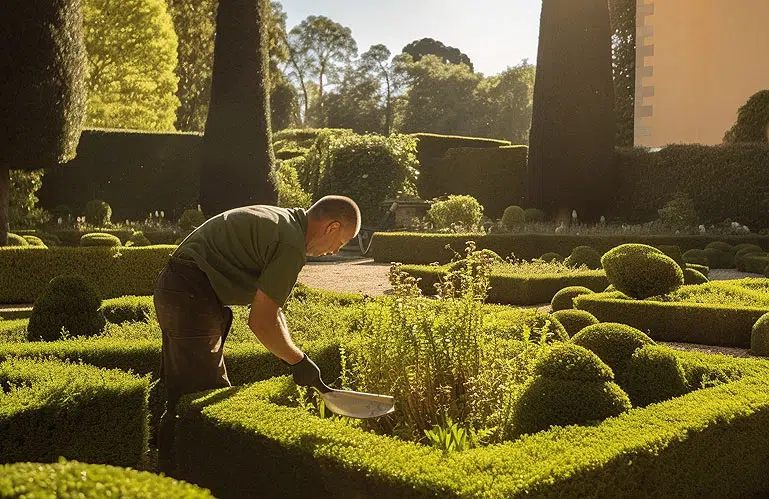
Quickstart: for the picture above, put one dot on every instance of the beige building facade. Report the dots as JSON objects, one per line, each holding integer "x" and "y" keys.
{"x": 697, "y": 62}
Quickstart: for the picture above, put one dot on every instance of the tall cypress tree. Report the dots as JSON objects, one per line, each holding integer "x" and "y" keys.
{"x": 571, "y": 153}
{"x": 237, "y": 153}
{"x": 42, "y": 89}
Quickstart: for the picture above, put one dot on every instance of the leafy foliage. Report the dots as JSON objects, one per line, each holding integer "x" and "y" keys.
{"x": 457, "y": 211}
{"x": 752, "y": 123}
{"x": 641, "y": 271}
{"x": 69, "y": 303}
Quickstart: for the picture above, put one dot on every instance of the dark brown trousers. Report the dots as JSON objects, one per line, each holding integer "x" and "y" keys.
{"x": 194, "y": 324}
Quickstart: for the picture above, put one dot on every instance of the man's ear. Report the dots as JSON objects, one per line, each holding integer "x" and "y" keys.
{"x": 333, "y": 227}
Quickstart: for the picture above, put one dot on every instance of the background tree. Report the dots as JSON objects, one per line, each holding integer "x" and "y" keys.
{"x": 440, "y": 96}
{"x": 319, "y": 49}
{"x": 284, "y": 111}
{"x": 355, "y": 103}
{"x": 237, "y": 166}
{"x": 623, "y": 42}
{"x": 43, "y": 88}
{"x": 375, "y": 61}
{"x": 131, "y": 47}
{"x": 573, "y": 125}
{"x": 504, "y": 104}
{"x": 752, "y": 123}
{"x": 447, "y": 54}
{"x": 194, "y": 25}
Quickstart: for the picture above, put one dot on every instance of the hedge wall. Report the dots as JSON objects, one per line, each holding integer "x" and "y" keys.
{"x": 723, "y": 181}
{"x": 659, "y": 450}
{"x": 76, "y": 411}
{"x": 114, "y": 272}
{"x": 90, "y": 481}
{"x": 514, "y": 289}
{"x": 135, "y": 172}
{"x": 705, "y": 324}
{"x": 424, "y": 248}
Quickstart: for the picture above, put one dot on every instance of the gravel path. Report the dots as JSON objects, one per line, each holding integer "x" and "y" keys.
{"x": 362, "y": 276}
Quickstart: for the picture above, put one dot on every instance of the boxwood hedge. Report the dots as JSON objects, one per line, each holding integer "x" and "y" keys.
{"x": 238, "y": 440}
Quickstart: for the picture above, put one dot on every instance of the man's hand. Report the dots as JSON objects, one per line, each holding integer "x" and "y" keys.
{"x": 306, "y": 373}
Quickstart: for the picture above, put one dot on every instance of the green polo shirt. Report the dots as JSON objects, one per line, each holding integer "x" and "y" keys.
{"x": 250, "y": 248}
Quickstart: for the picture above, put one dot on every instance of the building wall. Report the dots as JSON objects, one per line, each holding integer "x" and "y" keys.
{"x": 697, "y": 62}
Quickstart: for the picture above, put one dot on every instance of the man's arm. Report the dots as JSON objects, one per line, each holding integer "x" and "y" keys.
{"x": 268, "y": 323}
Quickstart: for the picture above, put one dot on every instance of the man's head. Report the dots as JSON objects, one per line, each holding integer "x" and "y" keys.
{"x": 331, "y": 223}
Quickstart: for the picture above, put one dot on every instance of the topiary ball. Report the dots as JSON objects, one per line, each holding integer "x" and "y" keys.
{"x": 34, "y": 241}
{"x": 513, "y": 217}
{"x": 138, "y": 239}
{"x": 759, "y": 336}
{"x": 97, "y": 213}
{"x": 702, "y": 269}
{"x": 564, "y": 299}
{"x": 718, "y": 259}
{"x": 673, "y": 252}
{"x": 99, "y": 239}
{"x": 569, "y": 361}
{"x": 721, "y": 246}
{"x": 574, "y": 321}
{"x": 584, "y": 255}
{"x": 551, "y": 257}
{"x": 70, "y": 479}
{"x": 68, "y": 302}
{"x": 534, "y": 215}
{"x": 571, "y": 386}
{"x": 746, "y": 250}
{"x": 641, "y": 271}
{"x": 697, "y": 256}
{"x": 653, "y": 374}
{"x": 692, "y": 276}
{"x": 614, "y": 343}
{"x": 191, "y": 219}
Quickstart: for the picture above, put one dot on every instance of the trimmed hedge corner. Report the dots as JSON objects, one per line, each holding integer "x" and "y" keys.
{"x": 51, "y": 408}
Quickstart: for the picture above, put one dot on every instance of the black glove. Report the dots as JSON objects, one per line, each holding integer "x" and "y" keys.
{"x": 306, "y": 373}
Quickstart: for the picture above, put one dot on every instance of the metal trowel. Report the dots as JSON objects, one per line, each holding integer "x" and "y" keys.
{"x": 355, "y": 404}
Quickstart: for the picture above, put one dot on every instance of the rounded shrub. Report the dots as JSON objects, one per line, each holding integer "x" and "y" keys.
{"x": 16, "y": 240}
{"x": 653, "y": 374}
{"x": 99, "y": 239}
{"x": 692, "y": 276}
{"x": 513, "y": 217}
{"x": 759, "y": 336}
{"x": 564, "y": 299}
{"x": 68, "y": 302}
{"x": 584, "y": 255}
{"x": 138, "y": 239}
{"x": 70, "y": 479}
{"x": 574, "y": 321}
{"x": 743, "y": 246}
{"x": 464, "y": 211}
{"x": 191, "y": 219}
{"x": 702, "y": 269}
{"x": 697, "y": 256}
{"x": 614, "y": 343}
{"x": 534, "y": 215}
{"x": 569, "y": 361}
{"x": 739, "y": 263}
{"x": 571, "y": 386}
{"x": 98, "y": 213}
{"x": 720, "y": 246}
{"x": 718, "y": 259}
{"x": 641, "y": 271}
{"x": 673, "y": 252}
{"x": 34, "y": 241}
{"x": 551, "y": 257}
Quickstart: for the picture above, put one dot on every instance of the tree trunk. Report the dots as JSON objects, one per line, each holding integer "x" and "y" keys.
{"x": 5, "y": 195}
{"x": 388, "y": 107}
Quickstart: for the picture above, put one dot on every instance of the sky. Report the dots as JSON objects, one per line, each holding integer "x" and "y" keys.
{"x": 495, "y": 34}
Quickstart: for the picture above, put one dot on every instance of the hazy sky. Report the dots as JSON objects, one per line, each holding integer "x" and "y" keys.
{"x": 495, "y": 34}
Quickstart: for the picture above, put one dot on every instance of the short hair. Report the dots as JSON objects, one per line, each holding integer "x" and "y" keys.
{"x": 337, "y": 208}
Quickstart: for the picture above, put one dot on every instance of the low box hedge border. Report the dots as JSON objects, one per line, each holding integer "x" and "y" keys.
{"x": 513, "y": 289}
{"x": 52, "y": 408}
{"x": 90, "y": 481}
{"x": 426, "y": 248}
{"x": 701, "y": 323}
{"x": 712, "y": 441}
{"x": 71, "y": 237}
{"x": 114, "y": 272}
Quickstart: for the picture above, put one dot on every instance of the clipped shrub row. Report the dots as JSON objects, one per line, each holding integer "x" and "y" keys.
{"x": 51, "y": 408}
{"x": 112, "y": 272}
{"x": 514, "y": 289}
{"x": 73, "y": 237}
{"x": 657, "y": 450}
{"x": 421, "y": 248}
{"x": 90, "y": 481}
